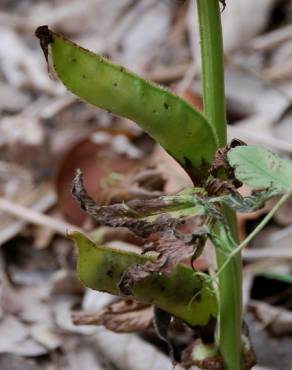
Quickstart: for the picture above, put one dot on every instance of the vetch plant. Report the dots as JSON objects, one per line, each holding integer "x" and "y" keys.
{"x": 207, "y": 211}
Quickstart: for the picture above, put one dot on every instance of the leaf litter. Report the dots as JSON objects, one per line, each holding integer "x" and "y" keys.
{"x": 20, "y": 20}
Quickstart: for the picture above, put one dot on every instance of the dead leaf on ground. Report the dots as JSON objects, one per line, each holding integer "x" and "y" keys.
{"x": 124, "y": 316}
{"x": 13, "y": 362}
{"x": 277, "y": 320}
{"x": 17, "y": 338}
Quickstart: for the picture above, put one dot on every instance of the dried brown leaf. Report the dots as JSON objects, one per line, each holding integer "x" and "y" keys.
{"x": 218, "y": 187}
{"x": 46, "y": 38}
{"x": 14, "y": 362}
{"x": 177, "y": 239}
{"x": 124, "y": 316}
{"x": 277, "y": 320}
{"x": 171, "y": 250}
{"x": 221, "y": 168}
{"x": 129, "y": 214}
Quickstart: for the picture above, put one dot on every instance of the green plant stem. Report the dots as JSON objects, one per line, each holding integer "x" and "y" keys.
{"x": 213, "y": 66}
{"x": 230, "y": 298}
{"x": 230, "y": 281}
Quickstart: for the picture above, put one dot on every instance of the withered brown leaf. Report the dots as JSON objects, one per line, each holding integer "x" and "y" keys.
{"x": 129, "y": 214}
{"x": 45, "y": 37}
{"x": 172, "y": 250}
{"x": 221, "y": 168}
{"x": 124, "y": 316}
{"x": 177, "y": 239}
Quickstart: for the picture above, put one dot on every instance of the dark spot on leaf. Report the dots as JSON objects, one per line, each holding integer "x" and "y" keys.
{"x": 110, "y": 273}
{"x": 166, "y": 106}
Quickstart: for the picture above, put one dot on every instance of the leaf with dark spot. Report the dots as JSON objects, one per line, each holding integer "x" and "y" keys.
{"x": 184, "y": 293}
{"x": 126, "y": 99}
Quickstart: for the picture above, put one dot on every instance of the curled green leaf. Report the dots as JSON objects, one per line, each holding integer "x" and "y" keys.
{"x": 176, "y": 125}
{"x": 184, "y": 293}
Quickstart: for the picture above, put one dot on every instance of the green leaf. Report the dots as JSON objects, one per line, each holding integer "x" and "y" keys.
{"x": 175, "y": 124}
{"x": 184, "y": 293}
{"x": 261, "y": 169}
